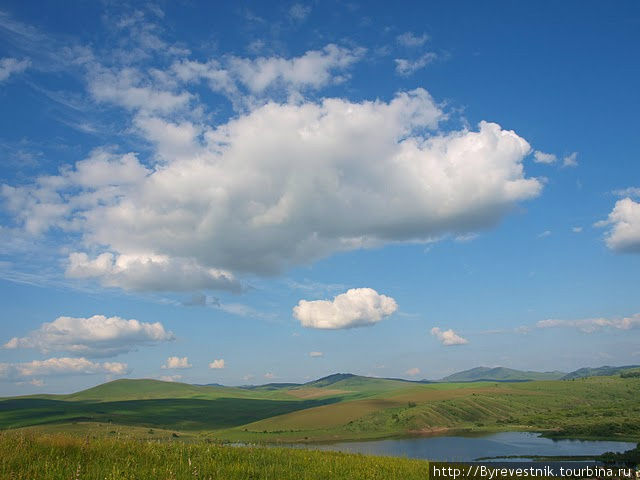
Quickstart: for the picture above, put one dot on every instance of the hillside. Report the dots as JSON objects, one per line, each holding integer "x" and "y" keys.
{"x": 500, "y": 374}
{"x": 605, "y": 370}
{"x": 338, "y": 407}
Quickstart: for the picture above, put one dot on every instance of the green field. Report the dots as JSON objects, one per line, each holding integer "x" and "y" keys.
{"x": 339, "y": 407}
{"x": 57, "y": 457}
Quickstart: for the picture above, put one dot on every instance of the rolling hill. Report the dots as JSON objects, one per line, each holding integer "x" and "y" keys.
{"x": 605, "y": 370}
{"x": 338, "y": 407}
{"x": 501, "y": 374}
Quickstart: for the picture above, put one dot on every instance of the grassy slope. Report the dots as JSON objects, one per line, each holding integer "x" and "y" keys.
{"x": 604, "y": 407}
{"x": 501, "y": 374}
{"x": 63, "y": 457}
{"x": 344, "y": 408}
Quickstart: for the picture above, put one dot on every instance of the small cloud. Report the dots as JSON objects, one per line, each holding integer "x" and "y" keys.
{"x": 269, "y": 375}
{"x": 299, "y": 12}
{"x": 96, "y": 336}
{"x": 623, "y": 235}
{"x": 219, "y": 363}
{"x": 316, "y": 354}
{"x": 409, "y": 39}
{"x": 406, "y": 67}
{"x": 544, "y": 234}
{"x": 576, "y": 229}
{"x": 627, "y": 192}
{"x": 541, "y": 157}
{"x": 412, "y": 372}
{"x": 59, "y": 366}
{"x": 468, "y": 237}
{"x": 177, "y": 362}
{"x": 170, "y": 378}
{"x": 570, "y": 160}
{"x": 248, "y": 377}
{"x": 448, "y": 337}
{"x": 357, "y": 307}
{"x": 10, "y": 66}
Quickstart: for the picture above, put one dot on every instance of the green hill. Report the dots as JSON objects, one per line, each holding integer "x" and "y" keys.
{"x": 501, "y": 374}
{"x": 139, "y": 389}
{"x": 603, "y": 371}
{"x": 338, "y": 407}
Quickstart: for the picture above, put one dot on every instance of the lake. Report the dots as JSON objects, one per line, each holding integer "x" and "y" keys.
{"x": 469, "y": 448}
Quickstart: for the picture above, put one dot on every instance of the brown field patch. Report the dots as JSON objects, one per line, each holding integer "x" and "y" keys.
{"x": 326, "y": 416}
{"x": 312, "y": 392}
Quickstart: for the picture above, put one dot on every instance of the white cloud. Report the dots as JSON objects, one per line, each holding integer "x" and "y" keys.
{"x": 299, "y": 12}
{"x": 541, "y": 157}
{"x": 269, "y": 375}
{"x": 314, "y": 69}
{"x": 576, "y": 229}
{"x": 244, "y": 80}
{"x": 627, "y": 192}
{"x": 409, "y": 39}
{"x": 316, "y": 354}
{"x": 570, "y": 160}
{"x": 448, "y": 337}
{"x": 356, "y": 307}
{"x": 177, "y": 362}
{"x": 544, "y": 234}
{"x": 219, "y": 363}
{"x": 132, "y": 90}
{"x": 96, "y": 336}
{"x": 149, "y": 272}
{"x": 251, "y": 206}
{"x": 170, "y": 378}
{"x": 624, "y": 222}
{"x": 413, "y": 371}
{"x": 11, "y": 66}
{"x": 590, "y": 325}
{"x": 407, "y": 67}
{"x": 59, "y": 366}
{"x": 258, "y": 194}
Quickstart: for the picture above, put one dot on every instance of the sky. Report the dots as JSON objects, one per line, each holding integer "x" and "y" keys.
{"x": 253, "y": 192}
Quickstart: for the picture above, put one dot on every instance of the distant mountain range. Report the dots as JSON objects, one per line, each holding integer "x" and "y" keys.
{"x": 478, "y": 374}
{"x": 598, "y": 372}
{"x": 501, "y": 374}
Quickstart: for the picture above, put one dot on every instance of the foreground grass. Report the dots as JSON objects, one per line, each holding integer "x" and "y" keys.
{"x": 64, "y": 457}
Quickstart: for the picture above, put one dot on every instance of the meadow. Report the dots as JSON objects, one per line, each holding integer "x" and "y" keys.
{"x": 56, "y": 457}
{"x": 339, "y": 407}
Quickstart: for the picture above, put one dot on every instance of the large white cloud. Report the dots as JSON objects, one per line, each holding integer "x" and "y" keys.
{"x": 448, "y": 337}
{"x": 624, "y": 222}
{"x": 278, "y": 185}
{"x": 59, "y": 366}
{"x": 357, "y": 307}
{"x": 96, "y": 336}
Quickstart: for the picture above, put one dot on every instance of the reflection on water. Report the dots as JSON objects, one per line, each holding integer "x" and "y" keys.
{"x": 465, "y": 449}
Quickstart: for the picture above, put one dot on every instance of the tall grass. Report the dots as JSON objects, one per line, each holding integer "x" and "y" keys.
{"x": 61, "y": 457}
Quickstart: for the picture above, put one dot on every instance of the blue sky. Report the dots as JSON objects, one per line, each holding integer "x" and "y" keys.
{"x": 250, "y": 192}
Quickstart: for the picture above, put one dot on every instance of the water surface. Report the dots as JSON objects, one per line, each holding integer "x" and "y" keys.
{"x": 466, "y": 449}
